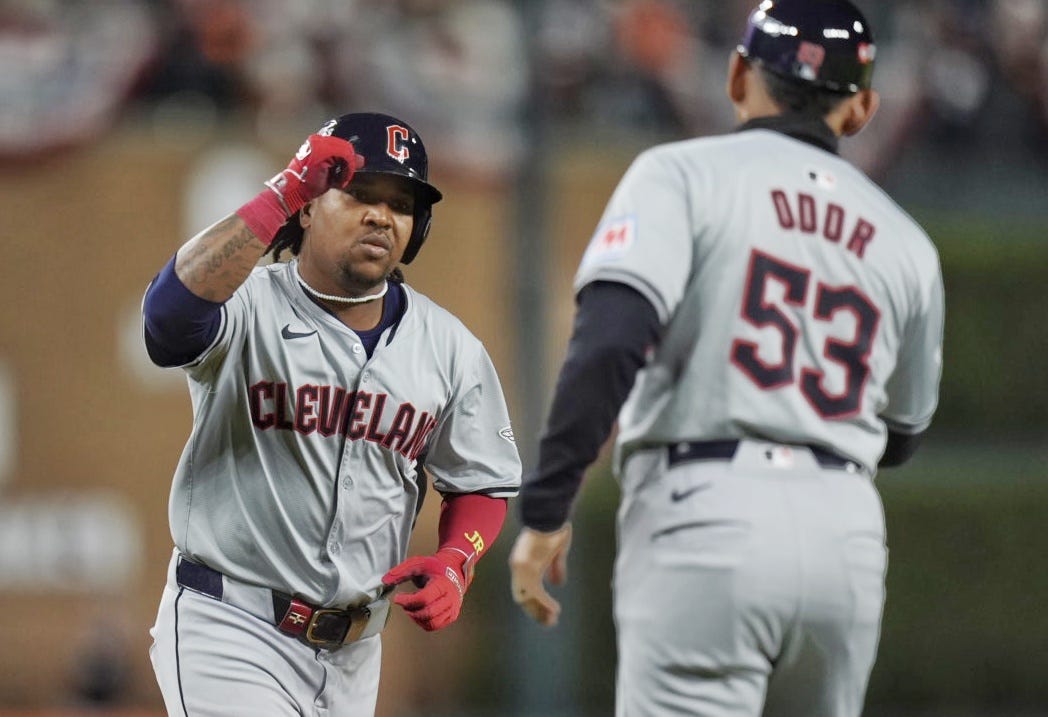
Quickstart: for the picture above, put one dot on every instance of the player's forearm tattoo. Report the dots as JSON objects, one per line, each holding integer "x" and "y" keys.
{"x": 216, "y": 263}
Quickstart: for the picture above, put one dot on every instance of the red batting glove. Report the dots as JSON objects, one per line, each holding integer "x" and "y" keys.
{"x": 442, "y": 585}
{"x": 320, "y": 164}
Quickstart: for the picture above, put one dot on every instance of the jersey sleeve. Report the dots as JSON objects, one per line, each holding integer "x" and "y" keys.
{"x": 235, "y": 315}
{"x": 472, "y": 449}
{"x": 179, "y": 325}
{"x": 913, "y": 388}
{"x": 645, "y": 237}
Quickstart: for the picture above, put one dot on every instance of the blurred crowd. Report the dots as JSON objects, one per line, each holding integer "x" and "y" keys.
{"x": 953, "y": 72}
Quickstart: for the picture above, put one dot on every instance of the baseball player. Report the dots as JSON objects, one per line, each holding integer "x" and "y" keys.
{"x": 320, "y": 388}
{"x": 766, "y": 325}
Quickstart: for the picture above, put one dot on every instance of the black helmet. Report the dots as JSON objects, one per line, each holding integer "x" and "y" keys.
{"x": 388, "y": 146}
{"x": 825, "y": 43}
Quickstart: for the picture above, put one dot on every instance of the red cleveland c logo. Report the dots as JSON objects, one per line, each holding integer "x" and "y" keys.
{"x": 396, "y": 142}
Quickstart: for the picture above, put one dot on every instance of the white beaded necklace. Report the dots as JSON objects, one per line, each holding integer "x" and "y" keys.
{"x": 345, "y": 299}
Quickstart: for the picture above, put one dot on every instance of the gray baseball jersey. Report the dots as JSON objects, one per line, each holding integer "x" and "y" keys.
{"x": 801, "y": 304}
{"x": 802, "y": 314}
{"x": 302, "y": 471}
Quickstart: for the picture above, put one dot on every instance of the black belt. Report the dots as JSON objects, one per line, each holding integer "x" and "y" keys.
{"x": 321, "y": 627}
{"x": 725, "y": 451}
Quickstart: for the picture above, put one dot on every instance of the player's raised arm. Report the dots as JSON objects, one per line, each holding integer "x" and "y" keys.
{"x": 214, "y": 263}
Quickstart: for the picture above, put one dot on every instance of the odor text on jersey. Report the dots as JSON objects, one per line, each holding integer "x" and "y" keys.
{"x": 802, "y": 213}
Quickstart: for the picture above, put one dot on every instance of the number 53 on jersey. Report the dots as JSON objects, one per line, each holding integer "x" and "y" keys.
{"x": 850, "y": 353}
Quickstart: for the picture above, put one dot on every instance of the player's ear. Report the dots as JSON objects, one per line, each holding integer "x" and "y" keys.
{"x": 305, "y": 215}
{"x": 736, "y": 85}
{"x": 861, "y": 107}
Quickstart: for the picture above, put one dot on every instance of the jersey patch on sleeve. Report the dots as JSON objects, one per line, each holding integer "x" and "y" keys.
{"x": 507, "y": 433}
{"x": 613, "y": 239}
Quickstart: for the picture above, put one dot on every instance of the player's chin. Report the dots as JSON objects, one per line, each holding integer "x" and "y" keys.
{"x": 370, "y": 271}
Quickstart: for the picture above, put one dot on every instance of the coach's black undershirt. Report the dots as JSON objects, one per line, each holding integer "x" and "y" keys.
{"x": 899, "y": 448}
{"x": 805, "y": 128}
{"x": 615, "y": 326}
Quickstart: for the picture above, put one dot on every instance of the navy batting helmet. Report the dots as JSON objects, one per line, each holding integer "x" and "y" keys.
{"x": 824, "y": 43}
{"x": 388, "y": 146}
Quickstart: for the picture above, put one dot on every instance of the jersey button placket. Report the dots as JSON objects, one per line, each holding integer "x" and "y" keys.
{"x": 347, "y": 482}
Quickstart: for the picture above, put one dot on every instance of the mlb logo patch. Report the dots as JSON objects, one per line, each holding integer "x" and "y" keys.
{"x": 810, "y": 57}
{"x": 822, "y": 178}
{"x": 780, "y": 456}
{"x": 612, "y": 239}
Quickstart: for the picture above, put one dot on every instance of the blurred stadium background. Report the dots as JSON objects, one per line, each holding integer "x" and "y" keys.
{"x": 128, "y": 125}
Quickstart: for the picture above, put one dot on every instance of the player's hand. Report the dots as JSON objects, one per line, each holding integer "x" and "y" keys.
{"x": 536, "y": 555}
{"x": 320, "y": 164}
{"x": 442, "y": 585}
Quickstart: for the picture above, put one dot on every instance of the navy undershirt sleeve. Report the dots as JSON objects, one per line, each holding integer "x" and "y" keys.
{"x": 179, "y": 324}
{"x": 615, "y": 326}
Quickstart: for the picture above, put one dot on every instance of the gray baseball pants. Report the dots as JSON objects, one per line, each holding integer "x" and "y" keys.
{"x": 747, "y": 587}
{"x": 215, "y": 660}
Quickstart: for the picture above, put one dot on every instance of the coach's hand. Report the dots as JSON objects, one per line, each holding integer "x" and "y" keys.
{"x": 442, "y": 585}
{"x": 534, "y": 556}
{"x": 322, "y": 162}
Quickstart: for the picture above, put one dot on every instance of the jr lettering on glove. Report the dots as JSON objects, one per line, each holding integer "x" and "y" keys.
{"x": 441, "y": 586}
{"x": 320, "y": 164}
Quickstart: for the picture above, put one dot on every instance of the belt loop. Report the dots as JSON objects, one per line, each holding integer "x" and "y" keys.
{"x": 685, "y": 452}
{"x": 198, "y": 578}
{"x": 829, "y": 459}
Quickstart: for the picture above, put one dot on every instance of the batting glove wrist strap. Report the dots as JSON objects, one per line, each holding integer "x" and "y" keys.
{"x": 459, "y": 564}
